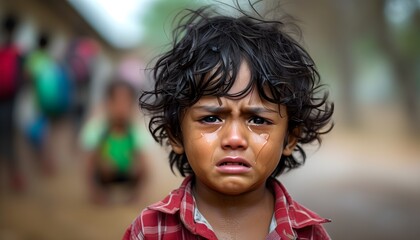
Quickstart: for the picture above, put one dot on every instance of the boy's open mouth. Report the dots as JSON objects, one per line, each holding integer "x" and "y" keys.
{"x": 233, "y": 161}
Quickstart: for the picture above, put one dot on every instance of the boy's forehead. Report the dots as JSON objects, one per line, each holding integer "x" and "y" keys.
{"x": 251, "y": 102}
{"x": 239, "y": 86}
{"x": 242, "y": 79}
{"x": 252, "y": 99}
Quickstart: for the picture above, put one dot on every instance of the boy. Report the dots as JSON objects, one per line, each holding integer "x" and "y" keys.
{"x": 115, "y": 144}
{"x": 235, "y": 98}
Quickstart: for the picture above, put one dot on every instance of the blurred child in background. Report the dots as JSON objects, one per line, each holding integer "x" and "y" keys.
{"x": 115, "y": 143}
{"x": 52, "y": 96}
{"x": 81, "y": 59}
{"x": 10, "y": 81}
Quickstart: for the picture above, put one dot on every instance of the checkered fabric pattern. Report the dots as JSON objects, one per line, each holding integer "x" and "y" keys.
{"x": 173, "y": 218}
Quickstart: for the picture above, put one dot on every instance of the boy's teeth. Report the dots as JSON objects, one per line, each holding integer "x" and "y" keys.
{"x": 230, "y": 163}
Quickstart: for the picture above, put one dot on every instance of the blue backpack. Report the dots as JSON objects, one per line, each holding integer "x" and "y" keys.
{"x": 53, "y": 87}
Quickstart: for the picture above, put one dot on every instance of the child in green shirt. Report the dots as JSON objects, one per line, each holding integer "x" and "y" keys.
{"x": 115, "y": 143}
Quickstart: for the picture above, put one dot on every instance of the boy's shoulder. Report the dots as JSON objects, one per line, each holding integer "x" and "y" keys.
{"x": 289, "y": 214}
{"x": 163, "y": 217}
{"x": 152, "y": 222}
{"x": 172, "y": 203}
{"x": 285, "y": 206}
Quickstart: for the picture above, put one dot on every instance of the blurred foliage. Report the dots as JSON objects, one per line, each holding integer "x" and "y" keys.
{"x": 408, "y": 39}
{"x": 159, "y": 21}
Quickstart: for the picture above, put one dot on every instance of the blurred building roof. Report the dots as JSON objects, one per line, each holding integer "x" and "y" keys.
{"x": 116, "y": 23}
{"x": 72, "y": 17}
{"x": 119, "y": 23}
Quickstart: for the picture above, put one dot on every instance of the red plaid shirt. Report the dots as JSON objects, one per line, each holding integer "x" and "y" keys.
{"x": 173, "y": 218}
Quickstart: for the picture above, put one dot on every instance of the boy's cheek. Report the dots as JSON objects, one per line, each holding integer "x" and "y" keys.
{"x": 265, "y": 153}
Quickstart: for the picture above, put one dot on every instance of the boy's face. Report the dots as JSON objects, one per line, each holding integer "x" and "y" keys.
{"x": 233, "y": 145}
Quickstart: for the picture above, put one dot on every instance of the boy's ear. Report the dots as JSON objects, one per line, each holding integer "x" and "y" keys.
{"x": 177, "y": 147}
{"x": 290, "y": 141}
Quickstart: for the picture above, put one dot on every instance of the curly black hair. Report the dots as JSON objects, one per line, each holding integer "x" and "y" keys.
{"x": 204, "y": 59}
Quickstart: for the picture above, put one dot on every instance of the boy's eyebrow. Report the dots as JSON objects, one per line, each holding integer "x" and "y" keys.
{"x": 256, "y": 110}
{"x": 248, "y": 109}
{"x": 212, "y": 109}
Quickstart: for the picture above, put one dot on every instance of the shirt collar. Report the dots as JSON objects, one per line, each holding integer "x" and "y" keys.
{"x": 172, "y": 203}
{"x": 288, "y": 214}
{"x": 181, "y": 201}
{"x": 299, "y": 216}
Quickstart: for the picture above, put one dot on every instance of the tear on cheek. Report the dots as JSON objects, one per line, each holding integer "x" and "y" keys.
{"x": 210, "y": 137}
{"x": 259, "y": 140}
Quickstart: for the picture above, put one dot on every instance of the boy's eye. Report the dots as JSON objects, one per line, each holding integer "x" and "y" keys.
{"x": 210, "y": 119}
{"x": 258, "y": 121}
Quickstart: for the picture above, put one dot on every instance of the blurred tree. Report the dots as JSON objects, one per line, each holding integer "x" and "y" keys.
{"x": 401, "y": 45}
{"x": 398, "y": 43}
{"x": 346, "y": 33}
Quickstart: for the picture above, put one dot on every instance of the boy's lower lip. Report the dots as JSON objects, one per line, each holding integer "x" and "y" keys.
{"x": 233, "y": 169}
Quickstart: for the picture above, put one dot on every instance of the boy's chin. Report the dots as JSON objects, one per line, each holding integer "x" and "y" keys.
{"x": 236, "y": 186}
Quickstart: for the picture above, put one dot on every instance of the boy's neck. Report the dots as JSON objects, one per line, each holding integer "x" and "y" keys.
{"x": 244, "y": 216}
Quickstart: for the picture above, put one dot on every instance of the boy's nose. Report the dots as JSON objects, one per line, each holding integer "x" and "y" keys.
{"x": 234, "y": 137}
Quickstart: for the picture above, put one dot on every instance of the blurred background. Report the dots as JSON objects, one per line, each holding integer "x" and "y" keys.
{"x": 365, "y": 177}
